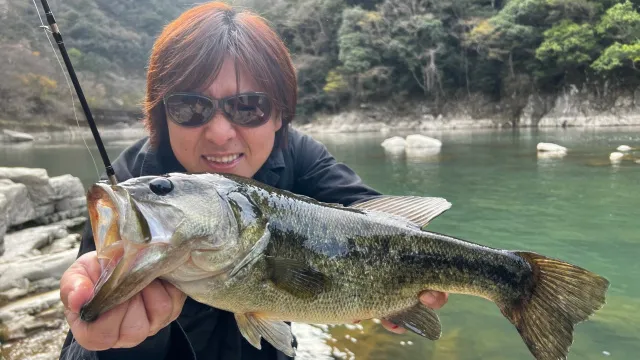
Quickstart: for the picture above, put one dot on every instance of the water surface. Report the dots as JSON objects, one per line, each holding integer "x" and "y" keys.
{"x": 579, "y": 208}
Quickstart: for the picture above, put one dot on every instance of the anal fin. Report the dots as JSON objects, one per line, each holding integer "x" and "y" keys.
{"x": 419, "y": 319}
{"x": 276, "y": 332}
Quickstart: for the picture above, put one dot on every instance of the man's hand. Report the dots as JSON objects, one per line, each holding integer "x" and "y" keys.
{"x": 431, "y": 299}
{"x": 126, "y": 325}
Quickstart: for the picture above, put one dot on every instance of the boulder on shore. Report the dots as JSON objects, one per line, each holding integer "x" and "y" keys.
{"x": 36, "y": 197}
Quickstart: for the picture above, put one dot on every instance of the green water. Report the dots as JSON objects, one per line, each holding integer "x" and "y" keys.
{"x": 579, "y": 208}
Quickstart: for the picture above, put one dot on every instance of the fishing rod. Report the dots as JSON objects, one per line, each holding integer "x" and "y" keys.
{"x": 53, "y": 27}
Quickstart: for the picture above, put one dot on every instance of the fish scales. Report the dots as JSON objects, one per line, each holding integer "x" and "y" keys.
{"x": 376, "y": 265}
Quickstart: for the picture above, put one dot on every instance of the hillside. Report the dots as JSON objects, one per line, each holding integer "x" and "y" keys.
{"x": 347, "y": 52}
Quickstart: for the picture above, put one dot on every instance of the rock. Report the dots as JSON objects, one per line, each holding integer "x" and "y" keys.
{"x": 44, "y": 210}
{"x": 67, "y": 186}
{"x": 616, "y": 157}
{"x": 16, "y": 136}
{"x": 35, "y": 268}
{"x": 22, "y": 243}
{"x": 637, "y": 161}
{"x": 21, "y": 209}
{"x": 551, "y": 154}
{"x": 62, "y": 215}
{"x": 27, "y": 176}
{"x": 394, "y": 145}
{"x": 624, "y": 148}
{"x": 41, "y": 194}
{"x": 574, "y": 107}
{"x": 422, "y": 153}
{"x": 68, "y": 242}
{"x": 421, "y": 141}
{"x": 71, "y": 203}
{"x": 19, "y": 319}
{"x": 4, "y": 220}
{"x": 550, "y": 147}
{"x": 28, "y": 288}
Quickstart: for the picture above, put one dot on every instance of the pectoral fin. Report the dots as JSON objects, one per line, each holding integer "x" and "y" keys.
{"x": 419, "y": 319}
{"x": 255, "y": 253}
{"x": 276, "y": 332}
{"x": 296, "y": 277}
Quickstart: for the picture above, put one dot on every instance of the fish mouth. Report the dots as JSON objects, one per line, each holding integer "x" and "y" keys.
{"x": 131, "y": 244}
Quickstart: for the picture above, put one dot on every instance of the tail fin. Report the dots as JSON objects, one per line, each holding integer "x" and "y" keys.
{"x": 562, "y": 296}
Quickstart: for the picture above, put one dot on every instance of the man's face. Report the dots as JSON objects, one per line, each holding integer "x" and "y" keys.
{"x": 219, "y": 145}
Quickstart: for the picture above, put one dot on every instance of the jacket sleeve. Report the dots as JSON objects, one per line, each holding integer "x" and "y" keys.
{"x": 320, "y": 176}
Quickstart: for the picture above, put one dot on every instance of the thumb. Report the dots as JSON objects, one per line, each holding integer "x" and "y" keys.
{"x": 77, "y": 282}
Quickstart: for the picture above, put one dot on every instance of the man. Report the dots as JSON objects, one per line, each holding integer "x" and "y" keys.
{"x": 240, "y": 71}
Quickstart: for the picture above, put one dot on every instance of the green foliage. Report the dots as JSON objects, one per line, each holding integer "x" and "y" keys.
{"x": 567, "y": 45}
{"x": 336, "y": 83}
{"x": 357, "y": 52}
{"x": 619, "y": 27}
{"x": 618, "y": 55}
{"x": 621, "y": 22}
{"x": 344, "y": 51}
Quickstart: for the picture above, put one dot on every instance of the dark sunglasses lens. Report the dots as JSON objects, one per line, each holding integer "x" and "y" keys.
{"x": 248, "y": 109}
{"x": 189, "y": 110}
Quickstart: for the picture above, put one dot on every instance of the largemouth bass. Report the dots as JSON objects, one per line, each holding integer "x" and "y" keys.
{"x": 271, "y": 256}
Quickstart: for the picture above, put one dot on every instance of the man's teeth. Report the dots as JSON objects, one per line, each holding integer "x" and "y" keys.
{"x": 223, "y": 159}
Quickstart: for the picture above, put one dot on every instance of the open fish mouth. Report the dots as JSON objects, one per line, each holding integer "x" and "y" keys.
{"x": 128, "y": 256}
{"x": 104, "y": 211}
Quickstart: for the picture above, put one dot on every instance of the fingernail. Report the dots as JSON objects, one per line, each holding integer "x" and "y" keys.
{"x": 429, "y": 298}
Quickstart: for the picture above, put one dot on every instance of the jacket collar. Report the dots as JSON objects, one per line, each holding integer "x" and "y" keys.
{"x": 162, "y": 161}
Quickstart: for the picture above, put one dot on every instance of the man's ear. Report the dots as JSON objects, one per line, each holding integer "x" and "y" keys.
{"x": 277, "y": 120}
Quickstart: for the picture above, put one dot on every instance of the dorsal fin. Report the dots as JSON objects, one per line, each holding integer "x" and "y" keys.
{"x": 417, "y": 209}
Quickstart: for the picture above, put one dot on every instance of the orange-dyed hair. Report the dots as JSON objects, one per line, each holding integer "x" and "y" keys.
{"x": 190, "y": 51}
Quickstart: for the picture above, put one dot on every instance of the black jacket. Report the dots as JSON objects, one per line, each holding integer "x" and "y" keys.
{"x": 201, "y": 332}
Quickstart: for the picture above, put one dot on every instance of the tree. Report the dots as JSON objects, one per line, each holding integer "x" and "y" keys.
{"x": 620, "y": 24}
{"x": 414, "y": 36}
{"x": 618, "y": 55}
{"x": 568, "y": 46}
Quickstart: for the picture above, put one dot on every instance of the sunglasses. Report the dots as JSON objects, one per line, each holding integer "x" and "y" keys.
{"x": 250, "y": 109}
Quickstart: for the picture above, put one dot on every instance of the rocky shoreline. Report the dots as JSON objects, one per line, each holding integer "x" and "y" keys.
{"x": 40, "y": 217}
{"x": 570, "y": 107}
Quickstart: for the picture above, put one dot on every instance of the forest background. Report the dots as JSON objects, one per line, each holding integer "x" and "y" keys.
{"x": 484, "y": 58}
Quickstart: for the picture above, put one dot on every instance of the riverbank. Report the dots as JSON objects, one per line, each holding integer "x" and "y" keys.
{"x": 40, "y": 217}
{"x": 570, "y": 107}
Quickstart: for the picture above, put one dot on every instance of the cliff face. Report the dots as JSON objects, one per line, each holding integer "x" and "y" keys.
{"x": 574, "y": 107}
{"x": 567, "y": 108}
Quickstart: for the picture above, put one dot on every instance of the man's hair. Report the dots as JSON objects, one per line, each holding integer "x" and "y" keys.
{"x": 190, "y": 51}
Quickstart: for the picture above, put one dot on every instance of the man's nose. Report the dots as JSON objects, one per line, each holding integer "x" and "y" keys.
{"x": 219, "y": 130}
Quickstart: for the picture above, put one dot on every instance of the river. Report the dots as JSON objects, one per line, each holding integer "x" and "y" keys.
{"x": 579, "y": 208}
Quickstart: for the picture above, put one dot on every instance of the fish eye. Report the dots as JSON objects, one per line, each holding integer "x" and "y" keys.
{"x": 161, "y": 186}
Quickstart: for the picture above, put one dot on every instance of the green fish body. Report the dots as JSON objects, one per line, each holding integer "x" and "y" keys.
{"x": 271, "y": 256}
